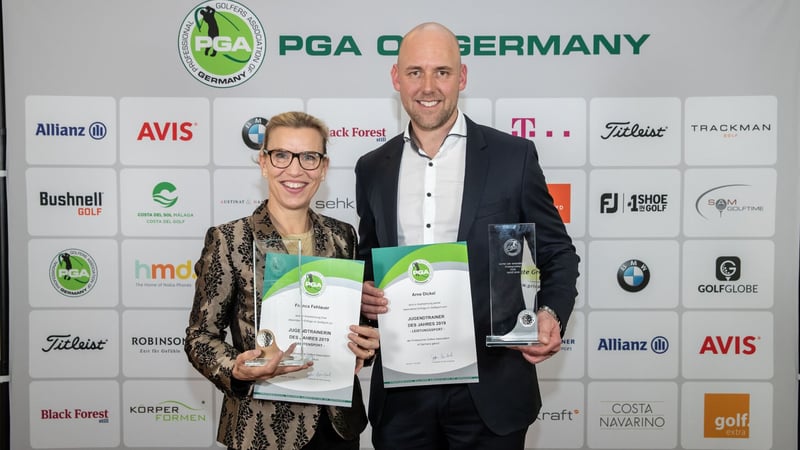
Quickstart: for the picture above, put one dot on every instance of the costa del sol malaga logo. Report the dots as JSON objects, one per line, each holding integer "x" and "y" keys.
{"x": 221, "y": 43}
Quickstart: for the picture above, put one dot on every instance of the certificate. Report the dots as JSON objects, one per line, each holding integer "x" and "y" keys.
{"x": 330, "y": 301}
{"x": 428, "y": 334}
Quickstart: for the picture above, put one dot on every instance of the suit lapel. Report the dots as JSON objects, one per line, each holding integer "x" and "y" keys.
{"x": 390, "y": 175}
{"x": 475, "y": 172}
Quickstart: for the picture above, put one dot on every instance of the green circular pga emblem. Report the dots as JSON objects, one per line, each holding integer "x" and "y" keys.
{"x": 420, "y": 271}
{"x": 221, "y": 43}
{"x": 313, "y": 283}
{"x": 73, "y": 272}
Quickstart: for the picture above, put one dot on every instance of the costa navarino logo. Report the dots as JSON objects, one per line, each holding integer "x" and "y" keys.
{"x": 420, "y": 271}
{"x": 221, "y": 43}
{"x": 73, "y": 272}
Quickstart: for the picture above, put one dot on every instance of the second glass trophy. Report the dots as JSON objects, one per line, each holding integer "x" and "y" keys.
{"x": 513, "y": 284}
{"x": 278, "y": 311}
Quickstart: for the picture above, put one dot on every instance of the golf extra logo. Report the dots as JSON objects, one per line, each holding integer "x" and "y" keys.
{"x": 73, "y": 272}
{"x": 420, "y": 271}
{"x": 221, "y": 43}
{"x": 313, "y": 283}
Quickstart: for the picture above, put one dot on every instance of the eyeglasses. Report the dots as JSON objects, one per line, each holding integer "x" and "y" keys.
{"x": 282, "y": 159}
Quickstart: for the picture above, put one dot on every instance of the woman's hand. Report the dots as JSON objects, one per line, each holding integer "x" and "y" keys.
{"x": 243, "y": 372}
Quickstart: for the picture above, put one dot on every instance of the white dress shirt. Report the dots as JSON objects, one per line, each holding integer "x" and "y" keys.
{"x": 430, "y": 190}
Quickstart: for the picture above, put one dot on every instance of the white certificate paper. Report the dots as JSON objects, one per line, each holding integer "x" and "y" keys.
{"x": 428, "y": 335}
{"x": 314, "y": 307}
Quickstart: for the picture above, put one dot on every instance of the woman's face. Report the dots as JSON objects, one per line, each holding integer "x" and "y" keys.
{"x": 292, "y": 187}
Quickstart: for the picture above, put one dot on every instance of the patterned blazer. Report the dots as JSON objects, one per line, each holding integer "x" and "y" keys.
{"x": 223, "y": 301}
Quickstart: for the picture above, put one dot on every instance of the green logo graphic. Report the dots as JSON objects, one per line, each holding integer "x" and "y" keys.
{"x": 313, "y": 283}
{"x": 420, "y": 271}
{"x": 73, "y": 272}
{"x": 221, "y": 43}
{"x": 164, "y": 194}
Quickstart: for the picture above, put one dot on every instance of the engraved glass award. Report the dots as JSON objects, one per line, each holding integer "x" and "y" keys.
{"x": 513, "y": 284}
{"x": 278, "y": 298}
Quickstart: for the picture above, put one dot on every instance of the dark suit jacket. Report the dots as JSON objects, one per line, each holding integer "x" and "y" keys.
{"x": 503, "y": 183}
{"x": 224, "y": 302}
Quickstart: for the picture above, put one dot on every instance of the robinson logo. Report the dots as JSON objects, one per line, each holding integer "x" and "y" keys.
{"x": 221, "y": 43}
{"x": 73, "y": 272}
{"x": 420, "y": 271}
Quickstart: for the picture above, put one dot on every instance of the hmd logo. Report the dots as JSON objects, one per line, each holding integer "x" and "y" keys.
{"x": 161, "y": 271}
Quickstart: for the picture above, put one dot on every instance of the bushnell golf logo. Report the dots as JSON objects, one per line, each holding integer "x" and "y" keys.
{"x": 420, "y": 271}
{"x": 221, "y": 43}
{"x": 313, "y": 283}
{"x": 73, "y": 272}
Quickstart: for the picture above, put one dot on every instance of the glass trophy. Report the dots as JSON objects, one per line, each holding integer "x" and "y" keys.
{"x": 513, "y": 284}
{"x": 278, "y": 308}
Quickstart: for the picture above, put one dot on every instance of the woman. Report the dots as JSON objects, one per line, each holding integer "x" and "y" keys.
{"x": 293, "y": 159}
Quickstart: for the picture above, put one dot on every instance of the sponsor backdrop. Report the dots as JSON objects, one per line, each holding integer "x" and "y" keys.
{"x": 667, "y": 130}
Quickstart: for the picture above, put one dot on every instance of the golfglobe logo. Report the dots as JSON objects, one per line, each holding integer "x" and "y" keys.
{"x": 420, "y": 271}
{"x": 221, "y": 43}
{"x": 164, "y": 194}
{"x": 73, "y": 272}
{"x": 313, "y": 283}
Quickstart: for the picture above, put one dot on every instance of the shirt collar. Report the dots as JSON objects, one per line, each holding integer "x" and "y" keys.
{"x": 459, "y": 128}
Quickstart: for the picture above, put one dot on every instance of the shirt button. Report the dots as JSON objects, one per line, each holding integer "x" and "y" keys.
{"x": 428, "y": 194}
{"x": 430, "y": 164}
{"x": 427, "y": 225}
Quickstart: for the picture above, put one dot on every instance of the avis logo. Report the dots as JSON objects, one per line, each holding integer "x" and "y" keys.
{"x": 166, "y": 131}
{"x": 730, "y": 345}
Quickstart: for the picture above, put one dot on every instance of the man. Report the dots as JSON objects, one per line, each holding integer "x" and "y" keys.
{"x": 445, "y": 179}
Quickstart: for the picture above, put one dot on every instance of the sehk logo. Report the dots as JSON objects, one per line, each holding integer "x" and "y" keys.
{"x": 221, "y": 43}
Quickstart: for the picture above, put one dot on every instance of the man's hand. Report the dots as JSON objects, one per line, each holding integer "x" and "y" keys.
{"x": 372, "y": 301}
{"x": 549, "y": 340}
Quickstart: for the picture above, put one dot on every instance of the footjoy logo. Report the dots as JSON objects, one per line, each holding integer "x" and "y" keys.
{"x": 221, "y": 43}
{"x": 73, "y": 272}
{"x": 313, "y": 283}
{"x": 420, "y": 271}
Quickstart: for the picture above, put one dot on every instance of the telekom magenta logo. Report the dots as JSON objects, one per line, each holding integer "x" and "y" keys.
{"x": 526, "y": 127}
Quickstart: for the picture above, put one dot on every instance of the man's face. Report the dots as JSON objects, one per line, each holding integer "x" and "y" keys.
{"x": 429, "y": 75}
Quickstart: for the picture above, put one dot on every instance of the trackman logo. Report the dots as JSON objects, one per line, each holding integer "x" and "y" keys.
{"x": 166, "y": 131}
{"x": 95, "y": 130}
{"x": 526, "y": 127}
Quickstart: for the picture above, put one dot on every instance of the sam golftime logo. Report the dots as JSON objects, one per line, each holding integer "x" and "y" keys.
{"x": 221, "y": 43}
